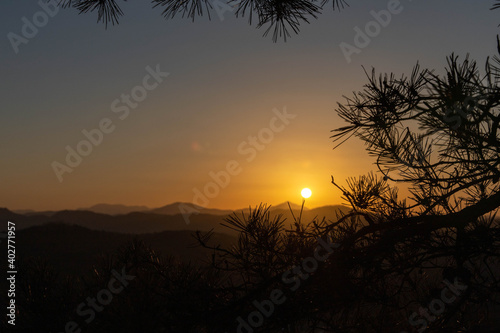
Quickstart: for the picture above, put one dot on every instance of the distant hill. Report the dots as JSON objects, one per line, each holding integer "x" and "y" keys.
{"x": 329, "y": 212}
{"x": 22, "y": 221}
{"x": 132, "y": 223}
{"x": 284, "y": 206}
{"x": 24, "y": 211}
{"x": 115, "y": 209}
{"x": 157, "y": 220}
{"x": 180, "y": 207}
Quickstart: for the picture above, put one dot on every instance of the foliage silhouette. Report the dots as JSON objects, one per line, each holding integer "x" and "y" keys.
{"x": 439, "y": 135}
{"x": 281, "y": 16}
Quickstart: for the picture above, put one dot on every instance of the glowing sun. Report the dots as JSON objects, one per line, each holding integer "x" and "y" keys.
{"x": 306, "y": 193}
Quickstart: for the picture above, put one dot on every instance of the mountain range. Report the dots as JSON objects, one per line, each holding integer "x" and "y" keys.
{"x": 74, "y": 240}
{"x": 141, "y": 219}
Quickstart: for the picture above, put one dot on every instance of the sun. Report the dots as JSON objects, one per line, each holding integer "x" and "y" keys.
{"x": 306, "y": 193}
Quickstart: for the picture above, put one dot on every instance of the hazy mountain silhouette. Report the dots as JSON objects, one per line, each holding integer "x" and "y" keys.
{"x": 135, "y": 223}
{"x": 22, "y": 221}
{"x": 157, "y": 220}
{"x": 29, "y": 212}
{"x": 115, "y": 209}
{"x": 175, "y": 208}
{"x": 24, "y": 211}
{"x": 329, "y": 212}
{"x": 284, "y": 205}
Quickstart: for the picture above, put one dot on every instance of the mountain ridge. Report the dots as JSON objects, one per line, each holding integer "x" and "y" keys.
{"x": 114, "y": 209}
{"x": 169, "y": 209}
{"x": 156, "y": 221}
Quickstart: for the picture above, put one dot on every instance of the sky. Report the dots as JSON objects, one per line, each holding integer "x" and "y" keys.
{"x": 222, "y": 116}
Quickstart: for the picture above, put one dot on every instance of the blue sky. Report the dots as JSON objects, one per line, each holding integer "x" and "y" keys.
{"x": 224, "y": 81}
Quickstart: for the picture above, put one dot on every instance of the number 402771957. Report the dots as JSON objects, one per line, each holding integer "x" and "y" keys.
{"x": 11, "y": 245}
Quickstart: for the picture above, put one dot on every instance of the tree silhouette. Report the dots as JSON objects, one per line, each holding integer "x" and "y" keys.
{"x": 397, "y": 259}
{"x": 280, "y": 16}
